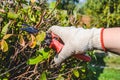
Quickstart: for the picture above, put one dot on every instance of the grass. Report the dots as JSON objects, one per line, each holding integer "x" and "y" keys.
{"x": 110, "y": 74}
{"x": 112, "y": 69}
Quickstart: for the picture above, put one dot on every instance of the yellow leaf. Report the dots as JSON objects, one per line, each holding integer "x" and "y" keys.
{"x": 32, "y": 1}
{"x": 4, "y": 46}
{"x": 22, "y": 41}
{"x": 0, "y": 44}
{"x": 7, "y": 36}
{"x": 32, "y": 44}
{"x": 40, "y": 37}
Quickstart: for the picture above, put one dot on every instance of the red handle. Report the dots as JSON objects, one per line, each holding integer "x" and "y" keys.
{"x": 56, "y": 45}
{"x": 83, "y": 57}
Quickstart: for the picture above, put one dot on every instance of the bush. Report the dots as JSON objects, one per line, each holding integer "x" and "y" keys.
{"x": 22, "y": 55}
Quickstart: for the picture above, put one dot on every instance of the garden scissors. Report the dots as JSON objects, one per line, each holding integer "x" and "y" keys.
{"x": 54, "y": 42}
{"x": 29, "y": 29}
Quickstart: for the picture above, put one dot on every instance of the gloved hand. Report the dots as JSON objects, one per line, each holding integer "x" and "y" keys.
{"x": 76, "y": 40}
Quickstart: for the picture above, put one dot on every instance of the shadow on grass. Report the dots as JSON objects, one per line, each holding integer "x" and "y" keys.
{"x": 98, "y": 64}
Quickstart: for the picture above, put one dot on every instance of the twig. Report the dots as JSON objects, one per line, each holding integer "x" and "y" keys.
{"x": 57, "y": 2}
{"x": 23, "y": 74}
{"x": 32, "y": 75}
{"x": 44, "y": 13}
{"x": 25, "y": 78}
{"x": 35, "y": 69}
{"x": 13, "y": 68}
{"x": 36, "y": 8}
{"x": 41, "y": 19}
{"x": 78, "y": 67}
{"x": 19, "y": 51}
{"x": 37, "y": 77}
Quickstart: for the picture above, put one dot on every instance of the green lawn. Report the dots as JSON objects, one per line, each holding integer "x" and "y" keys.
{"x": 110, "y": 74}
{"x": 112, "y": 69}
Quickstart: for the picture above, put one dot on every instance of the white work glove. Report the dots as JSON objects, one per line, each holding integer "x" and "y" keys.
{"x": 76, "y": 40}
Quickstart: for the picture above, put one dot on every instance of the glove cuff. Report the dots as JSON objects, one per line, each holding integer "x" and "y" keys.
{"x": 97, "y": 39}
{"x": 102, "y": 41}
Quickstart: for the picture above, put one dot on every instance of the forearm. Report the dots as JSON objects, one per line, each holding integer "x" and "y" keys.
{"x": 111, "y": 38}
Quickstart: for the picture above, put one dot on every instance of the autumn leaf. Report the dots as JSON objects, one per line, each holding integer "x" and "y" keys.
{"x": 22, "y": 41}
{"x": 0, "y": 45}
{"x": 32, "y": 43}
{"x": 38, "y": 39}
{"x": 7, "y": 36}
{"x": 32, "y": 37}
{"x": 4, "y": 46}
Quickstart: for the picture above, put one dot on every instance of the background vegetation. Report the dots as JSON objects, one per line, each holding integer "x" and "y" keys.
{"x": 22, "y": 55}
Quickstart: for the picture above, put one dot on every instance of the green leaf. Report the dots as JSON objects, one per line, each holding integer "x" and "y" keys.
{"x": 25, "y": 9}
{"x": 5, "y": 78}
{"x": 76, "y": 73}
{"x": 36, "y": 60}
{"x": 12, "y": 15}
{"x": 83, "y": 70}
{"x": 60, "y": 78}
{"x": 44, "y": 52}
{"x": 5, "y": 28}
{"x": 32, "y": 18}
{"x": 43, "y": 76}
{"x": 52, "y": 5}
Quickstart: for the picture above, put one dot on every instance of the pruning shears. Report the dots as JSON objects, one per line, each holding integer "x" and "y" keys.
{"x": 29, "y": 29}
{"x": 54, "y": 42}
